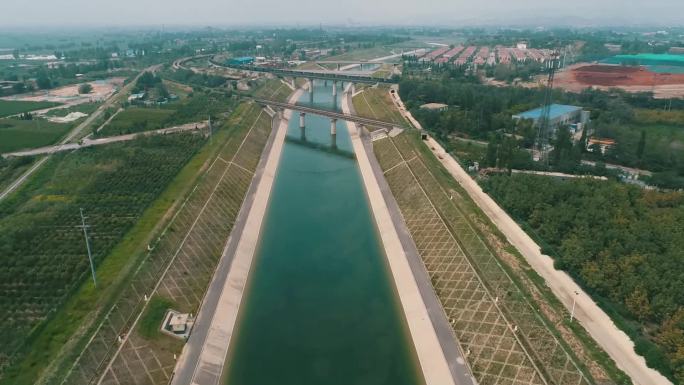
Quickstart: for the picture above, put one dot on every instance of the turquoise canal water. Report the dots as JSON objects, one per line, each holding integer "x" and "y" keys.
{"x": 320, "y": 307}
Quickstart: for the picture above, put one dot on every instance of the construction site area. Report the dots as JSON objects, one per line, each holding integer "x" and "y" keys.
{"x": 628, "y": 78}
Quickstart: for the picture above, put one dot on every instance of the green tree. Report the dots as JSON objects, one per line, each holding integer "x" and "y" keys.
{"x": 641, "y": 145}
{"x": 85, "y": 88}
{"x": 43, "y": 82}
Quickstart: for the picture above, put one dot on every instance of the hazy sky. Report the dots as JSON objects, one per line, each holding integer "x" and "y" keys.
{"x": 395, "y": 12}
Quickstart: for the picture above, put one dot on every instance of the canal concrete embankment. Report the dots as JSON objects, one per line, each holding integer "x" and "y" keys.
{"x": 202, "y": 360}
{"x": 440, "y": 358}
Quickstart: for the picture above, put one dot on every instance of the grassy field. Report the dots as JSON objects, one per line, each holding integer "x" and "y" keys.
{"x": 377, "y": 103}
{"x": 18, "y": 134}
{"x": 137, "y": 119}
{"x": 13, "y": 107}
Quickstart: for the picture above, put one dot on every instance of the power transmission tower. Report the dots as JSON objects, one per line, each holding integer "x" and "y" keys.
{"x": 87, "y": 241}
{"x": 210, "y": 129}
{"x": 543, "y": 126}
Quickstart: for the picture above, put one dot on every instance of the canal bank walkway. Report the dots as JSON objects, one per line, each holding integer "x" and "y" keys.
{"x": 441, "y": 361}
{"x": 204, "y": 355}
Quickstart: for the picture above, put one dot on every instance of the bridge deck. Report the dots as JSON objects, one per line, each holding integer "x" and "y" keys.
{"x": 325, "y": 75}
{"x": 330, "y": 114}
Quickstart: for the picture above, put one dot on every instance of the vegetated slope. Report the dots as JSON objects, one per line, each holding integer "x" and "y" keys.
{"x": 42, "y": 250}
{"x": 622, "y": 243}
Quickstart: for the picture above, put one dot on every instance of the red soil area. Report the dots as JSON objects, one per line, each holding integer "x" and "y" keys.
{"x": 612, "y": 75}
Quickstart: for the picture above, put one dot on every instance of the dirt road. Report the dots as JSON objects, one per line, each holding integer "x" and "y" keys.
{"x": 87, "y": 142}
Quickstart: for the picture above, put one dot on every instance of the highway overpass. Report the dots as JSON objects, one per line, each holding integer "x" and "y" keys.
{"x": 339, "y": 76}
{"x": 303, "y": 110}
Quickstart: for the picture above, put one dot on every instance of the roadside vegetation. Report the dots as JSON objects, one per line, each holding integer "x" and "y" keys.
{"x": 12, "y": 168}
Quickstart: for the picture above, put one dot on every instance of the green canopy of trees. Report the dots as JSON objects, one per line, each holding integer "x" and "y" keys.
{"x": 620, "y": 242}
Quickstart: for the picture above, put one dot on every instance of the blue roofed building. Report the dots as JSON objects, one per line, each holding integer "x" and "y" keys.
{"x": 241, "y": 61}
{"x": 559, "y": 114}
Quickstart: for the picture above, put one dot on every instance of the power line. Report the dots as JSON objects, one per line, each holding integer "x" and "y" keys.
{"x": 87, "y": 241}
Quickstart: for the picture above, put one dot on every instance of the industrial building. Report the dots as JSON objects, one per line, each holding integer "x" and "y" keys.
{"x": 245, "y": 60}
{"x": 559, "y": 114}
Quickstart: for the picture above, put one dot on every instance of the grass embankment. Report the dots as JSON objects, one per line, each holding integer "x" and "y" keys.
{"x": 533, "y": 285}
{"x": 273, "y": 89}
{"x": 150, "y": 322}
{"x": 13, "y": 107}
{"x": 376, "y": 103}
{"x": 79, "y": 314}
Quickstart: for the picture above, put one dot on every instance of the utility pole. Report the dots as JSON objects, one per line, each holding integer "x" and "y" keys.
{"x": 574, "y": 302}
{"x": 87, "y": 241}
{"x": 210, "y": 129}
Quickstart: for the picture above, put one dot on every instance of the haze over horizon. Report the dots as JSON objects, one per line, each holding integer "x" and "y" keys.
{"x": 71, "y": 13}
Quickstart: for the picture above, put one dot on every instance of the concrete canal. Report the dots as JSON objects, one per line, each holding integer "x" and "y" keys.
{"x": 320, "y": 306}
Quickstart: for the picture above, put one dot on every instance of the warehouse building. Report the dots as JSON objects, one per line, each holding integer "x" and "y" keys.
{"x": 559, "y": 114}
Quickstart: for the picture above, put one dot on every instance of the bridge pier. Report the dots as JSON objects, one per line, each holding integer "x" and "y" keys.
{"x": 334, "y": 90}
{"x": 338, "y": 66}
{"x": 333, "y": 133}
{"x": 311, "y": 90}
{"x": 302, "y": 116}
{"x": 294, "y": 83}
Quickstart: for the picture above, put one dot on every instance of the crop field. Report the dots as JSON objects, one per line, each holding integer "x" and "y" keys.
{"x": 18, "y": 134}
{"x": 505, "y": 339}
{"x": 13, "y": 107}
{"x": 42, "y": 248}
{"x": 179, "y": 267}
